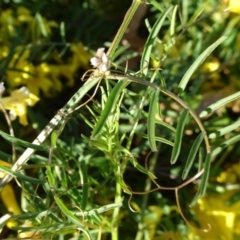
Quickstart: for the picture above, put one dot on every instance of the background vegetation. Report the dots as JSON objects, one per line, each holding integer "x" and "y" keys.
{"x": 99, "y": 187}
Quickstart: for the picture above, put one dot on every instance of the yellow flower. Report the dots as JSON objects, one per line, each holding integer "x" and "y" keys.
{"x": 36, "y": 78}
{"x": 28, "y": 234}
{"x": 7, "y": 23}
{"x": 151, "y": 220}
{"x": 9, "y": 199}
{"x": 17, "y": 104}
{"x": 58, "y": 71}
{"x": 3, "y": 163}
{"x": 168, "y": 235}
{"x": 231, "y": 175}
{"x": 233, "y": 5}
{"x": 224, "y": 219}
{"x": 24, "y": 15}
{"x": 4, "y": 50}
{"x": 81, "y": 56}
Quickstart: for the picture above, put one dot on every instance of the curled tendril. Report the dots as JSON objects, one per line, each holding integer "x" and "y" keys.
{"x": 87, "y": 74}
{"x": 129, "y": 203}
{"x": 176, "y": 195}
{"x": 185, "y": 219}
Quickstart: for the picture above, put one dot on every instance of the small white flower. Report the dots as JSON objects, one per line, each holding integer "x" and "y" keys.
{"x": 100, "y": 60}
{"x": 2, "y": 88}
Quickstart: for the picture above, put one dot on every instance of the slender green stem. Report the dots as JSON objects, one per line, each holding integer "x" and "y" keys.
{"x": 118, "y": 195}
{"x": 128, "y": 17}
{"x": 115, "y": 215}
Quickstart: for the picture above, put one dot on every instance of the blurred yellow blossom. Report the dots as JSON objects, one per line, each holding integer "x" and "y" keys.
{"x": 24, "y": 14}
{"x": 17, "y": 104}
{"x": 81, "y": 56}
{"x": 231, "y": 175}
{"x": 152, "y": 219}
{"x": 168, "y": 235}
{"x": 4, "y": 51}
{"x": 9, "y": 199}
{"x": 223, "y": 219}
{"x": 6, "y": 22}
{"x": 233, "y": 5}
{"x": 3, "y": 163}
{"x": 36, "y": 78}
{"x": 28, "y": 234}
{"x": 45, "y": 77}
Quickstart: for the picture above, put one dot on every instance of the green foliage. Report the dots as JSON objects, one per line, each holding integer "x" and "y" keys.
{"x": 110, "y": 163}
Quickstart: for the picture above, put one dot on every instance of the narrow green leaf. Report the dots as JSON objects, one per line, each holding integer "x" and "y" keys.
{"x": 196, "y": 197}
{"x": 173, "y": 22}
{"x": 205, "y": 177}
{"x": 85, "y": 185}
{"x": 63, "y": 31}
{"x": 151, "y": 121}
{"x": 4, "y": 156}
{"x": 185, "y": 12}
{"x": 68, "y": 213}
{"x": 74, "y": 101}
{"x": 119, "y": 51}
{"x": 219, "y": 104}
{"x": 141, "y": 168}
{"x": 111, "y": 101}
{"x": 225, "y": 144}
{"x": 201, "y": 155}
{"x": 22, "y": 176}
{"x": 192, "y": 154}
{"x": 160, "y": 7}
{"x": 49, "y": 212}
{"x": 30, "y": 190}
{"x": 203, "y": 185}
{"x": 87, "y": 120}
{"x": 23, "y": 143}
{"x": 160, "y": 122}
{"x": 99, "y": 210}
{"x": 151, "y": 39}
{"x": 41, "y": 25}
{"x": 224, "y": 130}
{"x": 179, "y": 136}
{"x": 183, "y": 83}
{"x": 159, "y": 139}
{"x": 50, "y": 177}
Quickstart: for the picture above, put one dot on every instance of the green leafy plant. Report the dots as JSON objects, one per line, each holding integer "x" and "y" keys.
{"x": 68, "y": 196}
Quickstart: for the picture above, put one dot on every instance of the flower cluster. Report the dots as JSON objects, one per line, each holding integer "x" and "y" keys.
{"x": 101, "y": 61}
{"x": 40, "y": 77}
